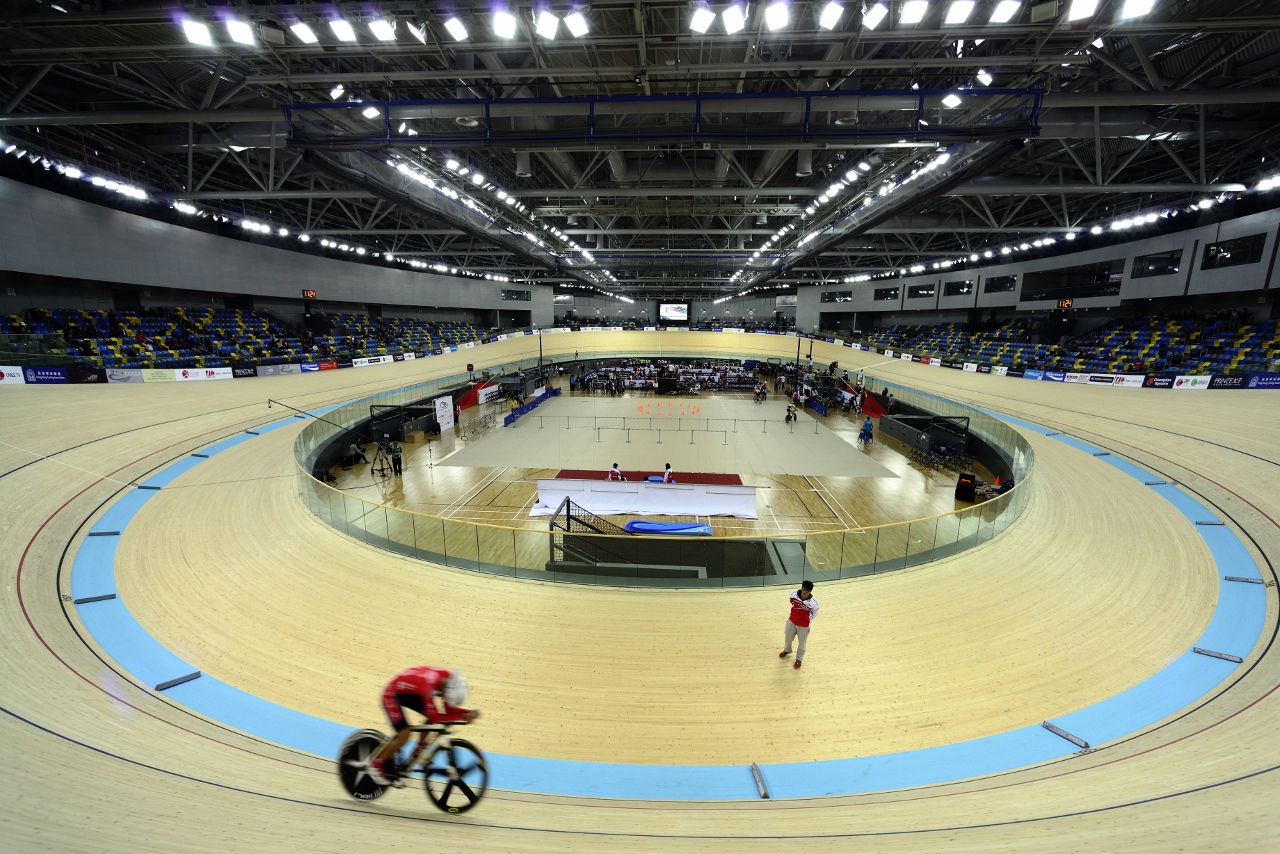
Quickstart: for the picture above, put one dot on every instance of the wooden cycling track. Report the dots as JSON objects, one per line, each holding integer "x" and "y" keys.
{"x": 1096, "y": 587}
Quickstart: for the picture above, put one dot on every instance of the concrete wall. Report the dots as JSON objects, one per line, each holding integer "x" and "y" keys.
{"x": 47, "y": 234}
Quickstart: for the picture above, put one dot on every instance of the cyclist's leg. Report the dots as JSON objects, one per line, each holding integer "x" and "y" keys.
{"x": 391, "y": 704}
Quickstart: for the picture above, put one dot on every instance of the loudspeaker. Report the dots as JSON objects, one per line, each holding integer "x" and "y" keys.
{"x": 964, "y": 487}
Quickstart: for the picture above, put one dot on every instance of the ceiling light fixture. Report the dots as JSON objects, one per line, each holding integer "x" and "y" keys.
{"x": 984, "y": 77}
{"x": 959, "y": 11}
{"x": 702, "y": 19}
{"x": 913, "y": 11}
{"x": 1003, "y": 13}
{"x": 830, "y": 15}
{"x": 734, "y": 19}
{"x": 777, "y": 15}
{"x": 873, "y": 16}
{"x": 342, "y": 30}
{"x": 504, "y": 25}
{"x": 240, "y": 32}
{"x": 197, "y": 33}
{"x": 952, "y": 100}
{"x": 383, "y": 30}
{"x": 1081, "y": 9}
{"x": 369, "y": 112}
{"x": 548, "y": 25}
{"x": 1136, "y": 8}
{"x": 336, "y": 92}
{"x": 457, "y": 29}
{"x": 417, "y": 30}
{"x": 305, "y": 34}
{"x": 577, "y": 24}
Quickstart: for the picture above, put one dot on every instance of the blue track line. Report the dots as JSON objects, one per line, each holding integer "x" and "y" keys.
{"x": 1235, "y": 628}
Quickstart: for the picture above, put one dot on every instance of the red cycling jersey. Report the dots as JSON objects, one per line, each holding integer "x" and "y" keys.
{"x": 425, "y": 683}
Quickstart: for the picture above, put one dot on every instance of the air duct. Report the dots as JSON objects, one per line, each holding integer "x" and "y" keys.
{"x": 804, "y": 162}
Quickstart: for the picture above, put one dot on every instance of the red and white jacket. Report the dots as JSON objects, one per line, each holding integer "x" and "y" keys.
{"x": 668, "y": 476}
{"x": 614, "y": 474}
{"x": 803, "y": 611}
{"x": 426, "y": 682}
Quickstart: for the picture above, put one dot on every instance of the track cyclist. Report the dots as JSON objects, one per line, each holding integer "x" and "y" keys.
{"x": 434, "y": 692}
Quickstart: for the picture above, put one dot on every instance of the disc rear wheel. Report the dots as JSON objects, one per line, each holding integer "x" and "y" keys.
{"x": 353, "y": 764}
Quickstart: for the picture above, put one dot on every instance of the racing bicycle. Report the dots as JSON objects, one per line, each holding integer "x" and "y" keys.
{"x": 454, "y": 771}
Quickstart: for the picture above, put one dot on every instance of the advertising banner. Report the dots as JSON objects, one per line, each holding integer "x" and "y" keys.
{"x": 1014, "y": 372}
{"x": 651, "y": 329}
{"x": 397, "y": 357}
{"x": 44, "y": 376}
{"x": 329, "y": 365}
{"x": 971, "y": 367}
{"x": 444, "y": 412}
{"x": 408, "y": 357}
{"x": 11, "y": 375}
{"x": 984, "y": 369}
{"x": 935, "y": 362}
{"x": 1031, "y": 374}
{"x": 539, "y": 392}
{"x": 1076, "y": 378}
{"x": 1220, "y": 381}
{"x": 1128, "y": 380}
{"x": 124, "y": 375}
{"x": 373, "y": 360}
{"x": 1102, "y": 379}
{"x": 310, "y": 367}
{"x": 1186, "y": 382}
{"x": 469, "y": 344}
{"x": 999, "y": 370}
{"x": 1054, "y": 376}
{"x": 277, "y": 370}
{"x": 433, "y": 352}
{"x": 488, "y": 393}
{"x": 87, "y": 375}
{"x": 157, "y": 375}
{"x": 906, "y": 357}
{"x": 242, "y": 373}
{"x": 184, "y": 375}
{"x": 1157, "y": 382}
{"x": 419, "y": 354}
{"x": 949, "y": 364}
{"x": 1263, "y": 381}
{"x": 888, "y": 354}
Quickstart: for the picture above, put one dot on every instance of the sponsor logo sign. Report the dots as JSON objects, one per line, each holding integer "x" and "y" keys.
{"x": 11, "y": 375}
{"x": 309, "y": 367}
{"x": 329, "y": 365}
{"x": 949, "y": 364}
{"x": 372, "y": 360}
{"x": 935, "y": 362}
{"x": 1076, "y": 378}
{"x": 651, "y": 329}
{"x": 408, "y": 357}
{"x": 44, "y": 376}
{"x": 1263, "y": 381}
{"x": 971, "y": 367}
{"x": 1014, "y": 372}
{"x": 468, "y": 344}
{"x": 1186, "y": 382}
{"x": 277, "y": 370}
{"x": 157, "y": 375}
{"x": 397, "y": 357}
{"x": 1030, "y": 374}
{"x": 829, "y": 340}
{"x": 184, "y": 375}
{"x": 906, "y": 357}
{"x": 240, "y": 373}
{"x": 87, "y": 375}
{"x": 1128, "y": 380}
{"x": 1219, "y": 381}
{"x": 1103, "y": 379}
{"x": 999, "y": 370}
{"x": 1157, "y": 382}
{"x": 124, "y": 375}
{"x": 889, "y": 353}
{"x": 1054, "y": 376}
{"x": 433, "y": 352}
{"x": 488, "y": 393}
{"x": 444, "y": 412}
{"x": 984, "y": 369}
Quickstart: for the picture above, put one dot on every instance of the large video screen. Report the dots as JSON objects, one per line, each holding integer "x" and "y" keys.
{"x": 674, "y": 311}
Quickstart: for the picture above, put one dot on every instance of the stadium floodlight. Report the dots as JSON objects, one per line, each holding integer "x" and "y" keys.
{"x": 477, "y": 178}
{"x": 370, "y": 112}
{"x": 504, "y": 25}
{"x": 548, "y": 25}
{"x": 913, "y": 11}
{"x": 283, "y": 232}
{"x": 342, "y": 30}
{"x": 873, "y": 16}
{"x": 197, "y": 33}
{"x": 577, "y": 24}
{"x": 383, "y": 30}
{"x": 984, "y": 77}
{"x": 457, "y": 29}
{"x": 305, "y": 34}
{"x": 777, "y": 15}
{"x": 240, "y": 31}
{"x": 952, "y": 100}
{"x": 417, "y": 30}
{"x": 734, "y": 19}
{"x": 830, "y": 15}
{"x": 1003, "y": 13}
{"x": 336, "y": 92}
{"x": 702, "y": 19}
{"x": 1136, "y": 8}
{"x": 1081, "y": 9}
{"x": 1205, "y": 204}
{"x": 959, "y": 11}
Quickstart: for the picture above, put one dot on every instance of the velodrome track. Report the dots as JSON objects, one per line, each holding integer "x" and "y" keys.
{"x": 1098, "y": 586}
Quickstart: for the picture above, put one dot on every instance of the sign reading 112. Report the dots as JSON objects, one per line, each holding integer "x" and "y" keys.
{"x": 308, "y": 294}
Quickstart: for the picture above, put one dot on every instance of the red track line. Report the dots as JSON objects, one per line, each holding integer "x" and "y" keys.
{"x": 40, "y": 637}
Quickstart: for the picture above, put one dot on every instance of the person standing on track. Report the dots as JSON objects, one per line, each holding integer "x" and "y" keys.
{"x": 804, "y": 610}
